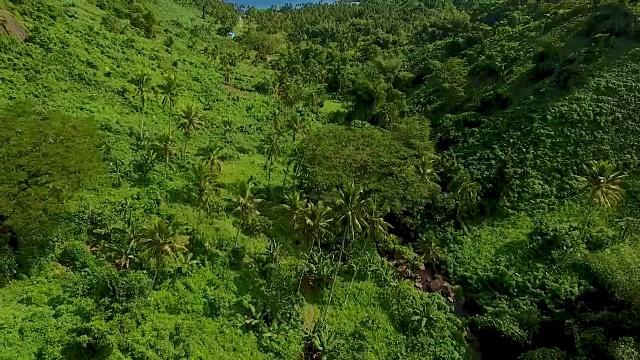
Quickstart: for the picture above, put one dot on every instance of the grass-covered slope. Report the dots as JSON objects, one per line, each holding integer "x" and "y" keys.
{"x": 94, "y": 176}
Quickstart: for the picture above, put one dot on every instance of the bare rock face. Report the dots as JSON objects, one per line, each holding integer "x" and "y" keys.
{"x": 10, "y": 26}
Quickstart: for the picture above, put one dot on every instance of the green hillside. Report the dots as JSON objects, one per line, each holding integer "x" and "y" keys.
{"x": 439, "y": 179}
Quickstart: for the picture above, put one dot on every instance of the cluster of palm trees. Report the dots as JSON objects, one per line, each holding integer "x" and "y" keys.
{"x": 273, "y": 146}
{"x": 169, "y": 88}
{"x": 159, "y": 241}
{"x": 350, "y": 220}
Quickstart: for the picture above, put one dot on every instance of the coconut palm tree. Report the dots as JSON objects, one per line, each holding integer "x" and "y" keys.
{"x": 190, "y": 122}
{"x": 165, "y": 147}
{"x": 465, "y": 192}
{"x": 294, "y": 157}
{"x": 245, "y": 202}
{"x": 229, "y": 60}
{"x": 204, "y": 185}
{"x": 294, "y": 204}
{"x": 212, "y": 156}
{"x": 142, "y": 81}
{"x": 296, "y": 125}
{"x": 161, "y": 242}
{"x": 377, "y": 227}
{"x": 170, "y": 89}
{"x": 211, "y": 52}
{"x": 118, "y": 164}
{"x": 424, "y": 169}
{"x": 316, "y": 223}
{"x": 145, "y": 163}
{"x": 272, "y": 150}
{"x": 228, "y": 127}
{"x": 604, "y": 183}
{"x": 350, "y": 212}
{"x": 123, "y": 252}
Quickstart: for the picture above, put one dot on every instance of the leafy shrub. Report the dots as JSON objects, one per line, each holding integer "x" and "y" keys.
{"x": 543, "y": 354}
{"x": 371, "y": 157}
{"x": 624, "y": 349}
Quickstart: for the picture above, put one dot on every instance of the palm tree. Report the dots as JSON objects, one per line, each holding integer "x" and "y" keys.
{"x": 203, "y": 182}
{"x": 294, "y": 157}
{"x": 424, "y": 169}
{"x": 245, "y": 202}
{"x": 296, "y": 125}
{"x": 465, "y": 192}
{"x": 350, "y": 208}
{"x": 604, "y": 183}
{"x": 142, "y": 81}
{"x": 145, "y": 163}
{"x": 315, "y": 226}
{"x": 165, "y": 147}
{"x": 276, "y": 121}
{"x": 118, "y": 165}
{"x": 272, "y": 150}
{"x": 604, "y": 186}
{"x": 212, "y": 156}
{"x": 162, "y": 241}
{"x": 190, "y": 122}
{"x": 170, "y": 89}
{"x": 211, "y": 52}
{"x": 186, "y": 263}
{"x": 124, "y": 253}
{"x": 229, "y": 60}
{"x": 295, "y": 204}
{"x": 125, "y": 236}
{"x": 377, "y": 227}
{"x": 316, "y": 223}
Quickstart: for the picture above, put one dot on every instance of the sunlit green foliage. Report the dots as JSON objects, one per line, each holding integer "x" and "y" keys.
{"x": 458, "y": 177}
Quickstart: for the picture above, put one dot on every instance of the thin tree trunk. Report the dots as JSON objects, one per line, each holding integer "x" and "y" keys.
{"x": 355, "y": 272}
{"x": 184, "y": 152}
{"x": 286, "y": 172}
{"x": 237, "y": 234}
{"x": 310, "y": 252}
{"x": 333, "y": 284}
{"x": 587, "y": 222}
{"x": 166, "y": 164}
{"x": 155, "y": 277}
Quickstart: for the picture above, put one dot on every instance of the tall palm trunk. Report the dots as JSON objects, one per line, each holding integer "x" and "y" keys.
{"x": 335, "y": 278}
{"x": 313, "y": 241}
{"x": 184, "y": 151}
{"x": 286, "y": 172}
{"x": 353, "y": 278}
{"x": 237, "y": 234}
{"x": 159, "y": 266}
{"x": 587, "y": 222}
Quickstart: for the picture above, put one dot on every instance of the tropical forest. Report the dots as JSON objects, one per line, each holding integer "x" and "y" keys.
{"x": 373, "y": 179}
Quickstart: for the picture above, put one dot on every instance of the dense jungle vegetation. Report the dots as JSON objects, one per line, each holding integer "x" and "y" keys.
{"x": 388, "y": 179}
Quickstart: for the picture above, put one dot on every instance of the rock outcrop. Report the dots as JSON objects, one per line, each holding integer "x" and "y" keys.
{"x": 10, "y": 26}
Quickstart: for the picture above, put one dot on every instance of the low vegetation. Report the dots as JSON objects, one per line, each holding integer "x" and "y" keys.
{"x": 375, "y": 180}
